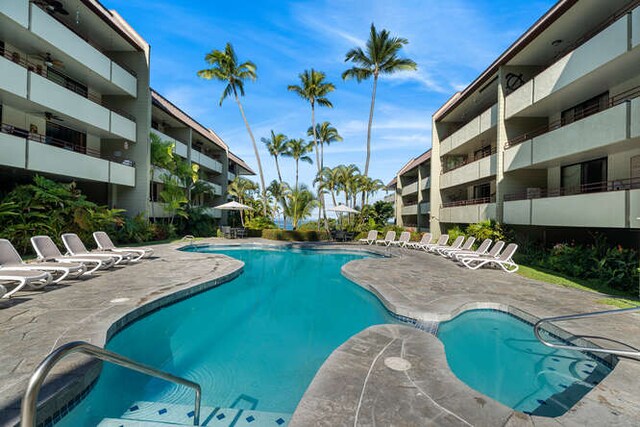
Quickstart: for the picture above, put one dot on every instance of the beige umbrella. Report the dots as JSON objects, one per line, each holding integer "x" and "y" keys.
{"x": 234, "y": 206}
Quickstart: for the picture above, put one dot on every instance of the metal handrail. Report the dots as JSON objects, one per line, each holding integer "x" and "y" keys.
{"x": 30, "y": 398}
{"x": 618, "y": 352}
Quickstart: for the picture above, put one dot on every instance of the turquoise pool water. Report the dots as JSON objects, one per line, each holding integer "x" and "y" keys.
{"x": 253, "y": 343}
{"x": 498, "y": 355}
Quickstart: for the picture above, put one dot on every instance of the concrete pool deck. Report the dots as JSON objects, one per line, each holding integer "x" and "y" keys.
{"x": 354, "y": 386}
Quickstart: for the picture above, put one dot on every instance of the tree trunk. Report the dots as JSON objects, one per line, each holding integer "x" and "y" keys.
{"x": 373, "y": 102}
{"x": 278, "y": 169}
{"x": 152, "y": 173}
{"x": 255, "y": 149}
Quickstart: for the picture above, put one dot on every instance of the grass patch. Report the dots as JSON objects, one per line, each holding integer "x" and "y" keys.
{"x": 625, "y": 299}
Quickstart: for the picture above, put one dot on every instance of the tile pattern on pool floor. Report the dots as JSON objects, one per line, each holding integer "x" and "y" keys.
{"x": 143, "y": 413}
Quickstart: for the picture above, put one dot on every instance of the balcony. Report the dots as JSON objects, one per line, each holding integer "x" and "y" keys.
{"x": 390, "y": 198}
{"x": 214, "y": 213}
{"x": 14, "y": 75}
{"x": 231, "y": 176}
{"x": 206, "y": 161}
{"x": 424, "y": 208}
{"x": 217, "y": 189}
{"x": 604, "y": 204}
{"x": 179, "y": 148}
{"x": 594, "y": 130}
{"x": 635, "y": 28}
{"x": 410, "y": 188}
{"x": 603, "y": 47}
{"x": 483, "y": 167}
{"x": 410, "y": 209}
{"x": 478, "y": 125}
{"x": 468, "y": 211}
{"x": 16, "y": 10}
{"x": 425, "y": 183}
{"x": 81, "y": 49}
{"x": 13, "y": 151}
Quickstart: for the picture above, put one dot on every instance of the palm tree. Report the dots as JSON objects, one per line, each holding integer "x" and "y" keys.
{"x": 161, "y": 157}
{"x": 241, "y": 188}
{"x": 225, "y": 68}
{"x": 326, "y": 135}
{"x": 301, "y": 203}
{"x": 279, "y": 191}
{"x": 347, "y": 177}
{"x": 329, "y": 180}
{"x": 314, "y": 89}
{"x": 298, "y": 149}
{"x": 277, "y": 146}
{"x": 369, "y": 187}
{"x": 379, "y": 57}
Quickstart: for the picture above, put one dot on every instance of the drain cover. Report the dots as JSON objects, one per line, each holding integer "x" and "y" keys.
{"x": 118, "y": 300}
{"x": 397, "y": 363}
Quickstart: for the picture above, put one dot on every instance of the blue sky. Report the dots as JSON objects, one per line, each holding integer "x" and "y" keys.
{"x": 451, "y": 40}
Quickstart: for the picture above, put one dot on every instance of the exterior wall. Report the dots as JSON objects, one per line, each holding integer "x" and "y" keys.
{"x": 13, "y": 151}
{"x": 14, "y": 78}
{"x": 473, "y": 171}
{"x": 468, "y": 214}
{"x": 17, "y": 10}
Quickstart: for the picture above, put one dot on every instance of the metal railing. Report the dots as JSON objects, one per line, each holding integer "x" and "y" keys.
{"x": 30, "y": 399}
{"x": 616, "y": 100}
{"x": 615, "y": 351}
{"x": 595, "y": 187}
{"x": 481, "y": 154}
{"x": 478, "y": 201}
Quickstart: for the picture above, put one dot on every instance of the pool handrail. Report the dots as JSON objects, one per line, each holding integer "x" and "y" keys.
{"x": 612, "y": 351}
{"x": 30, "y": 399}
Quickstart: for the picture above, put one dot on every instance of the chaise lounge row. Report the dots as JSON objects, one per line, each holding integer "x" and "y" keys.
{"x": 461, "y": 250}
{"x": 52, "y": 266}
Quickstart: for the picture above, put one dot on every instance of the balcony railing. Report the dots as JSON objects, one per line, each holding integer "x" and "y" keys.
{"x": 557, "y": 124}
{"x": 480, "y": 155}
{"x": 67, "y": 145}
{"x": 468, "y": 202}
{"x": 596, "y": 187}
{"x": 93, "y": 43}
{"x": 18, "y": 58}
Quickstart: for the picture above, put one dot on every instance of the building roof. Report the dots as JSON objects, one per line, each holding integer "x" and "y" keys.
{"x": 416, "y": 161}
{"x": 241, "y": 163}
{"x": 391, "y": 183}
{"x": 171, "y": 109}
{"x": 115, "y": 21}
{"x": 538, "y": 27}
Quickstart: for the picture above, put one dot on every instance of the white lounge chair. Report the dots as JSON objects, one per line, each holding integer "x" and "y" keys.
{"x": 33, "y": 279}
{"x": 482, "y": 250}
{"x": 456, "y": 244}
{"x": 75, "y": 247}
{"x": 10, "y": 259}
{"x": 388, "y": 238}
{"x": 468, "y": 244}
{"x": 402, "y": 241}
{"x": 442, "y": 240}
{"x": 104, "y": 243}
{"x": 371, "y": 237}
{"x": 424, "y": 240}
{"x": 494, "y": 251}
{"x": 504, "y": 260}
{"x": 48, "y": 251}
{"x": 3, "y": 291}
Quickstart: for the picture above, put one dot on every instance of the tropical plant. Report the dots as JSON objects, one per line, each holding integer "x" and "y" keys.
{"x": 347, "y": 182}
{"x": 279, "y": 192}
{"x": 298, "y": 149}
{"x": 380, "y": 56}
{"x": 277, "y": 146}
{"x": 328, "y": 180}
{"x": 161, "y": 157}
{"x": 326, "y": 134}
{"x": 226, "y": 68}
{"x": 301, "y": 202}
{"x": 173, "y": 198}
{"x": 242, "y": 189}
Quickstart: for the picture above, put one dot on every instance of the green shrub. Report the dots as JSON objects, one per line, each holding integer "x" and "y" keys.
{"x": 259, "y": 223}
{"x": 197, "y": 223}
{"x": 134, "y": 230}
{"x": 488, "y": 229}
{"x": 454, "y": 232}
{"x": 294, "y": 235}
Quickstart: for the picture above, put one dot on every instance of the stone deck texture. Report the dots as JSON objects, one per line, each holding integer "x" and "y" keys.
{"x": 354, "y": 386}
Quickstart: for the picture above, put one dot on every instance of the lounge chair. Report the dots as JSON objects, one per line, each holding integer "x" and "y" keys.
{"x": 75, "y": 247}
{"x": 3, "y": 291}
{"x": 494, "y": 251}
{"x": 425, "y": 240}
{"x": 468, "y": 244}
{"x": 482, "y": 250}
{"x": 442, "y": 240}
{"x": 33, "y": 279}
{"x": 402, "y": 241}
{"x": 48, "y": 251}
{"x": 104, "y": 243}
{"x": 456, "y": 244}
{"x": 371, "y": 237}
{"x": 10, "y": 259}
{"x": 388, "y": 238}
{"x": 504, "y": 260}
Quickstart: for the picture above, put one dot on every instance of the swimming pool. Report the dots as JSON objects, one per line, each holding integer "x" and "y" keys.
{"x": 498, "y": 355}
{"x": 254, "y": 344}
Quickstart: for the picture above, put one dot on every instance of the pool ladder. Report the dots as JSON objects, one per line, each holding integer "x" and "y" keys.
{"x": 30, "y": 398}
{"x": 613, "y": 351}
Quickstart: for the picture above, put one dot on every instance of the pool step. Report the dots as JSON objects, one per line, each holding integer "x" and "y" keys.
{"x": 145, "y": 414}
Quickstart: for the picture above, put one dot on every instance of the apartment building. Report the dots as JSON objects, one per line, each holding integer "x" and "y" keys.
{"x": 410, "y": 193}
{"x": 75, "y": 105}
{"x": 548, "y": 137}
{"x": 193, "y": 142}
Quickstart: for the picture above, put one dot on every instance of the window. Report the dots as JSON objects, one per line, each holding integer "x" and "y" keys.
{"x": 67, "y": 82}
{"x": 585, "y": 109}
{"x": 154, "y": 192}
{"x": 64, "y": 137}
{"x": 482, "y": 191}
{"x": 586, "y": 177}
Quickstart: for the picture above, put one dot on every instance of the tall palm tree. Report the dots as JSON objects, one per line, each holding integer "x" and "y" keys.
{"x": 241, "y": 188}
{"x": 379, "y": 57}
{"x": 225, "y": 68}
{"x": 347, "y": 177}
{"x": 277, "y": 146}
{"x": 301, "y": 202}
{"x": 326, "y": 135}
{"x": 298, "y": 149}
{"x": 329, "y": 180}
{"x": 315, "y": 89}
{"x": 279, "y": 191}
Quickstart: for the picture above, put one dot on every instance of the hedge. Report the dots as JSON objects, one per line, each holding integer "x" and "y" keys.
{"x": 294, "y": 235}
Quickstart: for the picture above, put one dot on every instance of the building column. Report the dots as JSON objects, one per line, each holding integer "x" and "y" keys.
{"x": 501, "y": 142}
{"x": 436, "y": 169}
{"x": 399, "y": 220}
